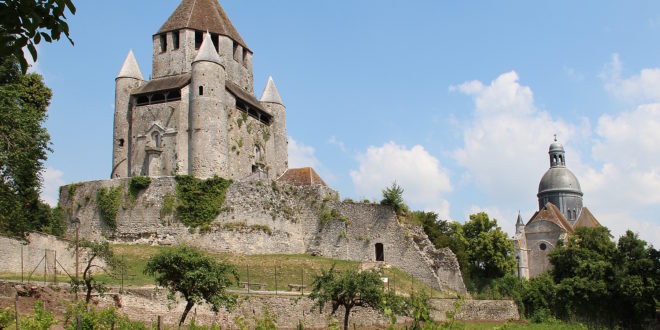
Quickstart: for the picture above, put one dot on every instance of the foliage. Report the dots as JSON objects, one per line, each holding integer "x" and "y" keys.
{"x": 109, "y": 200}
{"x": 94, "y": 251}
{"x": 266, "y": 321}
{"x": 22, "y": 24}
{"x": 137, "y": 184}
{"x": 200, "y": 201}
{"x": 169, "y": 202}
{"x": 6, "y": 317}
{"x": 348, "y": 289}
{"x": 195, "y": 276}
{"x": 393, "y": 197}
{"x": 91, "y": 318}
{"x": 24, "y": 144}
{"x": 240, "y": 226}
{"x": 40, "y": 320}
{"x": 489, "y": 249}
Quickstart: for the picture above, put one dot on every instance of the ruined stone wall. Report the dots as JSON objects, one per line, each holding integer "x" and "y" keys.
{"x": 39, "y": 253}
{"x": 265, "y": 217}
{"x": 354, "y": 234}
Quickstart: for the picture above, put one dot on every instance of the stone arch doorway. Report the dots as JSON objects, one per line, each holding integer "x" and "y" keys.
{"x": 380, "y": 253}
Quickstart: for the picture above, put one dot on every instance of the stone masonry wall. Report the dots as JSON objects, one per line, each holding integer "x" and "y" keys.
{"x": 263, "y": 218}
{"x": 38, "y": 252}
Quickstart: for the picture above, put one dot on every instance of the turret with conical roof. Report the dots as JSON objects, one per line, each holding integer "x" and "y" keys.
{"x": 129, "y": 78}
{"x": 208, "y": 116}
{"x": 177, "y": 42}
{"x": 271, "y": 100}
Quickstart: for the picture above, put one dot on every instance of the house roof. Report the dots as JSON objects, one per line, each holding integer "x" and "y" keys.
{"x": 202, "y": 15}
{"x": 305, "y": 176}
{"x": 551, "y": 213}
{"x": 586, "y": 219}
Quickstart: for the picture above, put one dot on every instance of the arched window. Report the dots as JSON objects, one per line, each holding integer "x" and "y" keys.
{"x": 380, "y": 253}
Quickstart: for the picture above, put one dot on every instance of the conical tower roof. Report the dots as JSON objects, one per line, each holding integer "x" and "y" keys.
{"x": 270, "y": 94}
{"x": 207, "y": 51}
{"x": 130, "y": 68}
{"x": 202, "y": 15}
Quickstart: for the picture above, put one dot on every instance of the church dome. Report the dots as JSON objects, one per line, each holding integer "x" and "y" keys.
{"x": 559, "y": 179}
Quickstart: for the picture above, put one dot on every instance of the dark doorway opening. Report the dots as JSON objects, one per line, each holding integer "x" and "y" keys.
{"x": 380, "y": 254}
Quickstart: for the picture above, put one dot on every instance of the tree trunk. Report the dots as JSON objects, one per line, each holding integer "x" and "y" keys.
{"x": 346, "y": 315}
{"x": 189, "y": 306}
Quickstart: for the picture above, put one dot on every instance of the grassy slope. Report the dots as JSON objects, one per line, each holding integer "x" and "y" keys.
{"x": 291, "y": 269}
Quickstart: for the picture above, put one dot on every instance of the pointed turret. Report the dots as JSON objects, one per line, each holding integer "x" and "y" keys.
{"x": 130, "y": 68}
{"x": 207, "y": 51}
{"x": 270, "y": 94}
{"x": 272, "y": 101}
{"x": 520, "y": 225}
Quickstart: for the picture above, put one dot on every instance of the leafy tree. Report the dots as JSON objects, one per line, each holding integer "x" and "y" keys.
{"x": 393, "y": 196}
{"x": 489, "y": 249}
{"x": 195, "y": 276}
{"x": 24, "y": 143}
{"x": 95, "y": 251}
{"x": 348, "y": 289}
{"x": 25, "y": 23}
{"x": 539, "y": 298}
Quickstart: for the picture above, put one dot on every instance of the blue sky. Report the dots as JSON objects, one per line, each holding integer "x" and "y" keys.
{"x": 456, "y": 101}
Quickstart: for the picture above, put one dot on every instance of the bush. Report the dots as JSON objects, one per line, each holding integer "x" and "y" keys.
{"x": 393, "y": 196}
{"x": 109, "y": 201}
{"x": 106, "y": 318}
{"x": 41, "y": 320}
{"x": 200, "y": 201}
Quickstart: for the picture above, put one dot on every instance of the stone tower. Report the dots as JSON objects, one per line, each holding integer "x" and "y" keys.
{"x": 559, "y": 185}
{"x": 198, "y": 114}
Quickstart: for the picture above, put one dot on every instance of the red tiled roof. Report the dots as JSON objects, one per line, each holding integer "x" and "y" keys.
{"x": 305, "y": 176}
{"x": 586, "y": 219}
{"x": 551, "y": 213}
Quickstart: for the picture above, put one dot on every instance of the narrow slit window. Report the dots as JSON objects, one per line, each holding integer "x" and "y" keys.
{"x": 216, "y": 40}
{"x": 163, "y": 43}
{"x": 199, "y": 37}
{"x": 201, "y": 90}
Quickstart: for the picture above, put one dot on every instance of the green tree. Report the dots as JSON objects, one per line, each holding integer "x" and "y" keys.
{"x": 393, "y": 197}
{"x": 25, "y": 23}
{"x": 195, "y": 276}
{"x": 24, "y": 143}
{"x": 348, "y": 289}
{"x": 95, "y": 251}
{"x": 489, "y": 249}
{"x": 442, "y": 234}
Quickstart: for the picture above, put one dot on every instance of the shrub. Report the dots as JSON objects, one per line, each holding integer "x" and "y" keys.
{"x": 41, "y": 320}
{"x": 109, "y": 201}
{"x": 200, "y": 201}
{"x": 169, "y": 202}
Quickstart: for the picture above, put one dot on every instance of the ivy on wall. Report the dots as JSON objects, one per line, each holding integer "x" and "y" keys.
{"x": 109, "y": 201}
{"x": 200, "y": 201}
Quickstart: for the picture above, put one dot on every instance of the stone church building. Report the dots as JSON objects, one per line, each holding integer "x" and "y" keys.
{"x": 198, "y": 114}
{"x": 560, "y": 212}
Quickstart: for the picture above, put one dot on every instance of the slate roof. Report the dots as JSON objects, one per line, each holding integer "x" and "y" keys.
{"x": 162, "y": 84}
{"x": 586, "y": 219}
{"x": 246, "y": 97}
{"x": 551, "y": 213}
{"x": 202, "y": 15}
{"x": 305, "y": 176}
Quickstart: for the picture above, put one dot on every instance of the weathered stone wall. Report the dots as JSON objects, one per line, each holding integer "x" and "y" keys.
{"x": 263, "y": 218}
{"x": 537, "y": 233}
{"x": 39, "y": 252}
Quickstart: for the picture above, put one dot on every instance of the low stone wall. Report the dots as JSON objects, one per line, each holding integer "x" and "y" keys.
{"x": 39, "y": 252}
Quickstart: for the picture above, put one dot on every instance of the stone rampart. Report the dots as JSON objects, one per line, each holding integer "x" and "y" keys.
{"x": 265, "y": 218}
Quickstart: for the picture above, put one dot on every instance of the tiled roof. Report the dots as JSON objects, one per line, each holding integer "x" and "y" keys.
{"x": 305, "y": 176}
{"x": 586, "y": 219}
{"x": 202, "y": 15}
{"x": 162, "y": 84}
{"x": 551, "y": 213}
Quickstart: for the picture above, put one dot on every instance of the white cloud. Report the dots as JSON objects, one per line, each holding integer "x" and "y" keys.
{"x": 419, "y": 173}
{"x": 504, "y": 144}
{"x": 644, "y": 86}
{"x": 624, "y": 192}
{"x": 340, "y": 144}
{"x": 301, "y": 155}
{"x": 50, "y": 190}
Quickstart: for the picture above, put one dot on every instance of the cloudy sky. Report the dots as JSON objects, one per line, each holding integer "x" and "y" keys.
{"x": 456, "y": 101}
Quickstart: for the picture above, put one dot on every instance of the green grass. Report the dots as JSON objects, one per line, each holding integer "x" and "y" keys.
{"x": 553, "y": 325}
{"x": 291, "y": 269}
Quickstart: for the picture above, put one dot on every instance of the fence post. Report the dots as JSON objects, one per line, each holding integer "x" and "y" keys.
{"x": 302, "y": 281}
{"x": 18, "y": 321}
{"x": 21, "y": 263}
{"x": 276, "y": 280}
{"x": 55, "y": 267}
{"x": 45, "y": 265}
{"x": 159, "y": 325}
{"x": 248, "y": 276}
